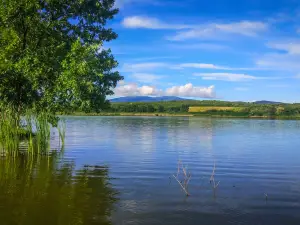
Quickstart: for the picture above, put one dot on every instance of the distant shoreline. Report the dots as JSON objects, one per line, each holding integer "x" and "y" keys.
{"x": 180, "y": 115}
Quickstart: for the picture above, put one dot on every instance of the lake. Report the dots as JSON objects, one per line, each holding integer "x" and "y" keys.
{"x": 119, "y": 170}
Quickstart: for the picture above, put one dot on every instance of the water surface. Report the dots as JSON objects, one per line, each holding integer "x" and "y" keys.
{"x": 118, "y": 170}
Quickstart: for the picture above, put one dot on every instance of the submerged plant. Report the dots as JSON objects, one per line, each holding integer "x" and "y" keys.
{"x": 212, "y": 178}
{"x": 186, "y": 177}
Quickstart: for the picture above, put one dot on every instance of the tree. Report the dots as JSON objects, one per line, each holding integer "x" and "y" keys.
{"x": 52, "y": 56}
{"x": 161, "y": 108}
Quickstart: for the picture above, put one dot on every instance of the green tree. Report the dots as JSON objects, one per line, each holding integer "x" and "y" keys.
{"x": 161, "y": 108}
{"x": 51, "y": 54}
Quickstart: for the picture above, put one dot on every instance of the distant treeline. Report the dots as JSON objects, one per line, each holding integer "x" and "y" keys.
{"x": 221, "y": 108}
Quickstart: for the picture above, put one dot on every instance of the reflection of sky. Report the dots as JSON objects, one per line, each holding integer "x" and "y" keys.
{"x": 140, "y": 138}
{"x": 256, "y": 155}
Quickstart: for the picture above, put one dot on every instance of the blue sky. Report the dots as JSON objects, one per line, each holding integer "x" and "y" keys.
{"x": 221, "y": 49}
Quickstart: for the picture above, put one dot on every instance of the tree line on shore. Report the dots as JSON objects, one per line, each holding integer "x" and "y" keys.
{"x": 208, "y": 108}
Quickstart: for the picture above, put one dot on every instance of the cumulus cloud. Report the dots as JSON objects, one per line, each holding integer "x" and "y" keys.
{"x": 132, "y": 89}
{"x": 234, "y": 77}
{"x": 245, "y": 28}
{"x": 187, "y": 90}
{"x": 149, "y": 23}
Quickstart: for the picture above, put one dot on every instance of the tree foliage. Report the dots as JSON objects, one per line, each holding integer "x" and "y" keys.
{"x": 51, "y": 54}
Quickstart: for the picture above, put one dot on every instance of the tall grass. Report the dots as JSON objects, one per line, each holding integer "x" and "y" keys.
{"x": 61, "y": 127}
{"x": 42, "y": 132}
{"x": 32, "y": 128}
{"x": 9, "y": 132}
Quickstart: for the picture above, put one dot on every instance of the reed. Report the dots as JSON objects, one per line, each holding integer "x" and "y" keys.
{"x": 33, "y": 129}
{"x": 61, "y": 127}
{"x": 9, "y": 132}
{"x": 42, "y": 132}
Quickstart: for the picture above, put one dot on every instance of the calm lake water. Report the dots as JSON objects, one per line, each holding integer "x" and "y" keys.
{"x": 118, "y": 170}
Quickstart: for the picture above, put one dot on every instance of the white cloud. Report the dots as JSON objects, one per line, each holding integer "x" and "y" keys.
{"x": 248, "y": 28}
{"x": 156, "y": 57}
{"x": 123, "y": 3}
{"x": 245, "y": 28}
{"x": 200, "y": 66}
{"x": 211, "y": 66}
{"x": 277, "y": 85}
{"x": 235, "y": 77}
{"x": 151, "y": 66}
{"x": 150, "y": 23}
{"x": 132, "y": 89}
{"x": 292, "y": 48}
{"x": 211, "y": 30}
{"x": 187, "y": 90}
{"x": 204, "y": 46}
{"x": 146, "y": 77}
{"x": 143, "y": 66}
{"x": 286, "y": 62}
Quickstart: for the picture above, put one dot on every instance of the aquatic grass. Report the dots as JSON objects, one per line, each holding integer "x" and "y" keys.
{"x": 61, "y": 127}
{"x": 32, "y": 129}
{"x": 9, "y": 132}
{"x": 29, "y": 127}
{"x": 42, "y": 132}
{"x": 186, "y": 177}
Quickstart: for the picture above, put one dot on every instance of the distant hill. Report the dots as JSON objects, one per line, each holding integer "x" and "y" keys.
{"x": 264, "y": 102}
{"x": 172, "y": 98}
{"x": 147, "y": 99}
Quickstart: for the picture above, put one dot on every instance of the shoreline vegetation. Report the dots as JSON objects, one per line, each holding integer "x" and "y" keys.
{"x": 50, "y": 61}
{"x": 178, "y": 115}
{"x": 193, "y": 108}
{"x": 31, "y": 131}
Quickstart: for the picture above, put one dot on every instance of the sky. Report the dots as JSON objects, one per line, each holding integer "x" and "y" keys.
{"x": 219, "y": 49}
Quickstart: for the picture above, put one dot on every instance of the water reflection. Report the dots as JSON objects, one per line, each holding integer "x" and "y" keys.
{"x": 46, "y": 190}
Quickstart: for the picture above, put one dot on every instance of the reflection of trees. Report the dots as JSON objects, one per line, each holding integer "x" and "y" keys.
{"x": 41, "y": 190}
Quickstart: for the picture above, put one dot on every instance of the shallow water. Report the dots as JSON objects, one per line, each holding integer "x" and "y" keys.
{"x": 118, "y": 170}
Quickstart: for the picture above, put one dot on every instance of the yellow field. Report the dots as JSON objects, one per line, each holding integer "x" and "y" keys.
{"x": 194, "y": 109}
